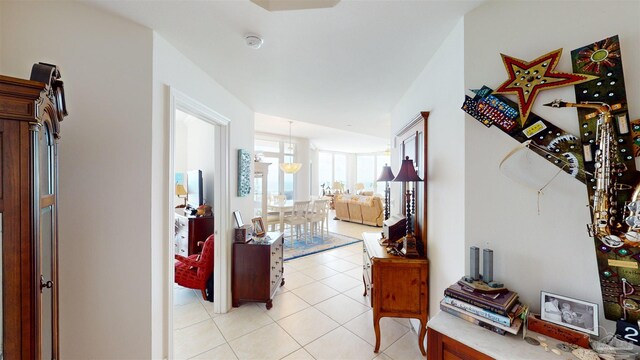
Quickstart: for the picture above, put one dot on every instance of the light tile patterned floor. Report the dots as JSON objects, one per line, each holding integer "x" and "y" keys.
{"x": 319, "y": 313}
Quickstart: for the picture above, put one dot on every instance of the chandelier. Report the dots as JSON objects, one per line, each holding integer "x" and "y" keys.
{"x": 290, "y": 167}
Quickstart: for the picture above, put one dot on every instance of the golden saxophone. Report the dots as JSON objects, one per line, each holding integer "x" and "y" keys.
{"x": 606, "y": 225}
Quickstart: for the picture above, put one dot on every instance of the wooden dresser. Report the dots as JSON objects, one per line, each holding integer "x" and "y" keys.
{"x": 189, "y": 230}
{"x": 398, "y": 286}
{"x": 257, "y": 270}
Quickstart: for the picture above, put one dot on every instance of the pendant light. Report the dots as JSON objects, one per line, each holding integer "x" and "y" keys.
{"x": 290, "y": 167}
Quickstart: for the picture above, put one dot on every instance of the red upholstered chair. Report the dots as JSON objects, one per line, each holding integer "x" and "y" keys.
{"x": 194, "y": 271}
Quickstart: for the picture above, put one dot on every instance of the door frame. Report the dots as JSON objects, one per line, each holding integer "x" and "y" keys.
{"x": 221, "y": 206}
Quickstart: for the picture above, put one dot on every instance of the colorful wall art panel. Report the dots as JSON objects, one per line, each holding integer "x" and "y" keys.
{"x": 613, "y": 173}
{"x": 602, "y": 157}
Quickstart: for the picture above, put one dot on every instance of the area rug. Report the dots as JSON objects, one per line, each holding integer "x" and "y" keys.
{"x": 302, "y": 248}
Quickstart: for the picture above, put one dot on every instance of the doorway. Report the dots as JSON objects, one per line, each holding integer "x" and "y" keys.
{"x": 198, "y": 165}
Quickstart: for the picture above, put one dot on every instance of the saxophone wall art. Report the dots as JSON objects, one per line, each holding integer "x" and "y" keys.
{"x": 602, "y": 157}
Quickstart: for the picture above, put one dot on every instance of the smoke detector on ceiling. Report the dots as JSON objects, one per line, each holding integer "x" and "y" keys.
{"x": 253, "y": 41}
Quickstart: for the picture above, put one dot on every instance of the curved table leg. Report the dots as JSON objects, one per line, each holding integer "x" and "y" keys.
{"x": 423, "y": 332}
{"x": 376, "y": 328}
{"x": 365, "y": 285}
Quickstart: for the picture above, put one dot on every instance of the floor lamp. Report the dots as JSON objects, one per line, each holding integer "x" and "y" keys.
{"x": 408, "y": 174}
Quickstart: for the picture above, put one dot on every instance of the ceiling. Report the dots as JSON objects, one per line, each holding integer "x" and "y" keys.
{"x": 342, "y": 67}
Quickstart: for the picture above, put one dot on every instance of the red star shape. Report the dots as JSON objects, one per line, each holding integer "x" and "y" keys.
{"x": 526, "y": 79}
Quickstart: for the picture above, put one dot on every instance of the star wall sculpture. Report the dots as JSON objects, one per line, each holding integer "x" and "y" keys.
{"x": 527, "y": 79}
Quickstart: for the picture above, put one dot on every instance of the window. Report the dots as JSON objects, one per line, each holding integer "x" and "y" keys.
{"x": 365, "y": 171}
{"x": 277, "y": 152}
{"x": 340, "y": 169}
{"x": 325, "y": 169}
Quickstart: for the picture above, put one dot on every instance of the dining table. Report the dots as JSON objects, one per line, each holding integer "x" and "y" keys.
{"x": 281, "y": 208}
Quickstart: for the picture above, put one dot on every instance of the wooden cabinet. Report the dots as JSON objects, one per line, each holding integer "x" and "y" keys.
{"x": 257, "y": 270}
{"x": 30, "y": 116}
{"x": 189, "y": 230}
{"x": 398, "y": 286}
{"x": 442, "y": 347}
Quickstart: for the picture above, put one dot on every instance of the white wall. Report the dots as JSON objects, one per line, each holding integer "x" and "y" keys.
{"x": 550, "y": 251}
{"x": 105, "y": 171}
{"x": 439, "y": 90}
{"x": 172, "y": 69}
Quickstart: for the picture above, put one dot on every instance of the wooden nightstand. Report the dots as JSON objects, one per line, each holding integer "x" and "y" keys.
{"x": 399, "y": 286}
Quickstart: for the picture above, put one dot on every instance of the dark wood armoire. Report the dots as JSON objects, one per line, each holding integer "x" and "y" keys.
{"x": 30, "y": 115}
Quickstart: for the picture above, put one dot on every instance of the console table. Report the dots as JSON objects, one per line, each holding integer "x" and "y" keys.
{"x": 398, "y": 286}
{"x": 452, "y": 338}
{"x": 257, "y": 269}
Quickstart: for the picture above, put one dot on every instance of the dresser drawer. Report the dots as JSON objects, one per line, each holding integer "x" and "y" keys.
{"x": 276, "y": 268}
{"x": 181, "y": 238}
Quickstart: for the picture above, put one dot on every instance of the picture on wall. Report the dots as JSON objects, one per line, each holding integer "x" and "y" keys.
{"x": 572, "y": 313}
{"x": 244, "y": 172}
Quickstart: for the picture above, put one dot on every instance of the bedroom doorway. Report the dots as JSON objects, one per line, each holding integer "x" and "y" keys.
{"x": 198, "y": 207}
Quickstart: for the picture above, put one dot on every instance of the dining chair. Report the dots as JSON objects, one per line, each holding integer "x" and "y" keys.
{"x": 318, "y": 216}
{"x": 273, "y": 217}
{"x": 298, "y": 218}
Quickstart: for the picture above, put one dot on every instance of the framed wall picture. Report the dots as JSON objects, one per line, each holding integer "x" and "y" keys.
{"x": 244, "y": 172}
{"x": 258, "y": 226}
{"x": 572, "y": 313}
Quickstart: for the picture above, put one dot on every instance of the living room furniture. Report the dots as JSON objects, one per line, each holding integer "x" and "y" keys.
{"x": 359, "y": 209}
{"x": 257, "y": 269}
{"x": 194, "y": 271}
{"x": 30, "y": 116}
{"x": 189, "y": 230}
{"x": 452, "y": 338}
{"x": 398, "y": 286}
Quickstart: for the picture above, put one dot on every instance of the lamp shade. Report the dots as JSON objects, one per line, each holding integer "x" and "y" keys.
{"x": 290, "y": 168}
{"x": 407, "y": 171}
{"x": 386, "y": 174}
{"x": 180, "y": 190}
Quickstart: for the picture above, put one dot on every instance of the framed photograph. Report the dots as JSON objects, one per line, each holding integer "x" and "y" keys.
{"x": 238, "y": 219}
{"x": 258, "y": 226}
{"x": 572, "y": 313}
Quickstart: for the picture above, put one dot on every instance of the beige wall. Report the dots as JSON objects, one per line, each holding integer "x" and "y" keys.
{"x": 113, "y": 166}
{"x": 172, "y": 70}
{"x": 549, "y": 251}
{"x": 439, "y": 90}
{"x": 105, "y": 169}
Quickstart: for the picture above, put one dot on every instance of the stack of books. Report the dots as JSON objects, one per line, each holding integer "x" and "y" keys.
{"x": 498, "y": 312}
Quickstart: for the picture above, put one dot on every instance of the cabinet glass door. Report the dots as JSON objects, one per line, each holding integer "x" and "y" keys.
{"x": 47, "y": 244}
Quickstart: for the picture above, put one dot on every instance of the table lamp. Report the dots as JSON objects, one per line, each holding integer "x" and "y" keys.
{"x": 408, "y": 174}
{"x": 181, "y": 192}
{"x": 386, "y": 175}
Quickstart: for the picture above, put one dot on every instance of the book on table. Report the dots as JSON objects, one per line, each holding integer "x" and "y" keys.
{"x": 499, "y": 303}
{"x": 479, "y": 320}
{"x": 501, "y": 319}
